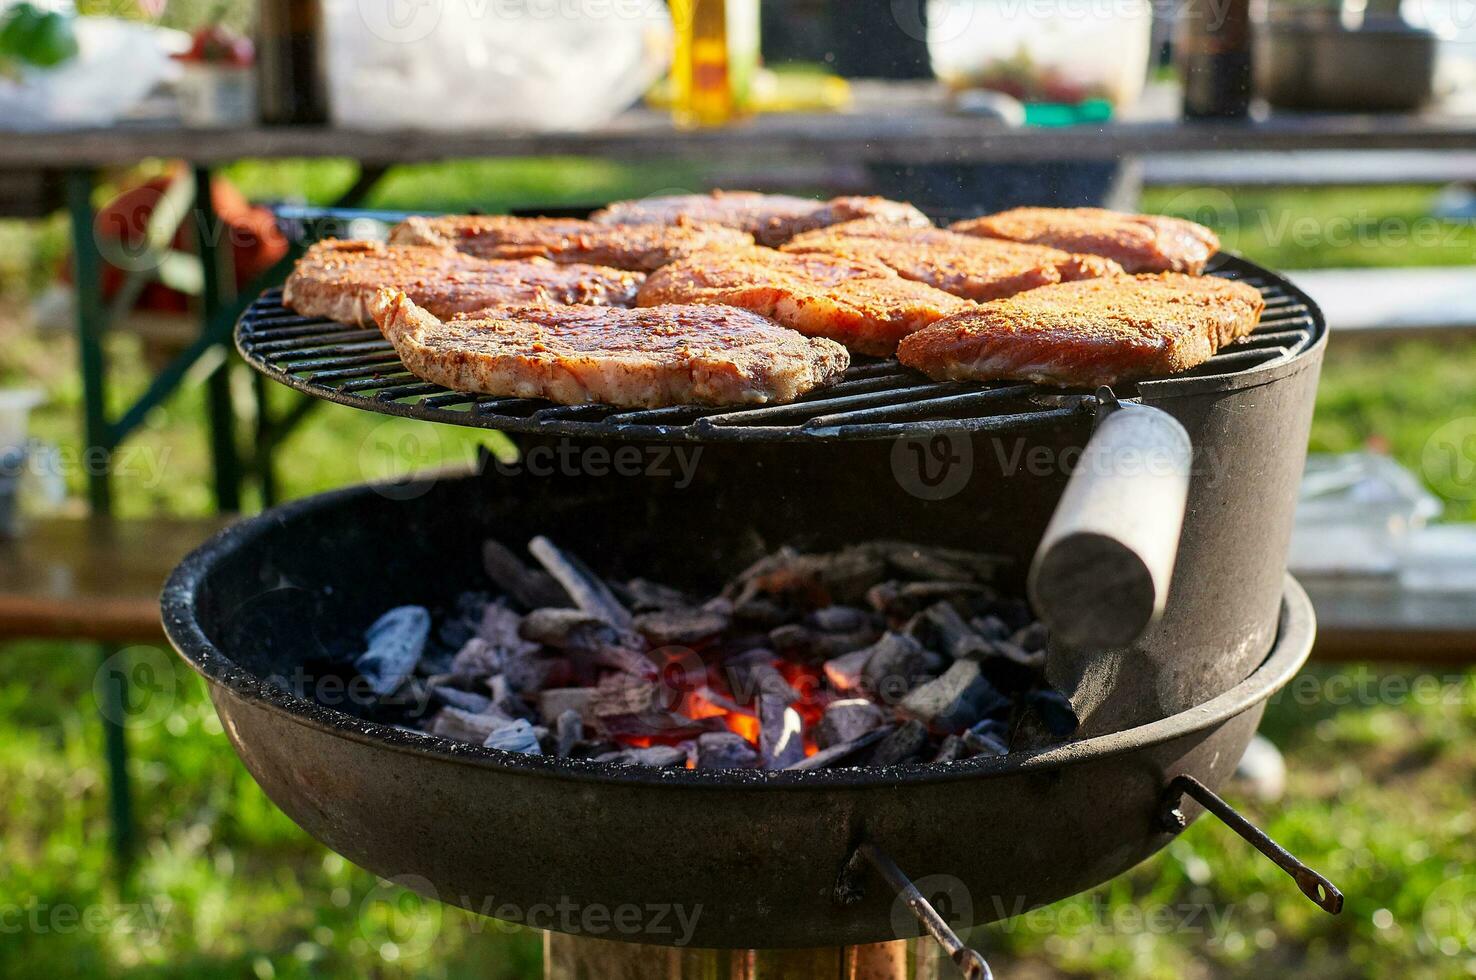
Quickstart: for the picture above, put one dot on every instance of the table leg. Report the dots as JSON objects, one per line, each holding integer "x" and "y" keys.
{"x": 217, "y": 287}
{"x": 111, "y": 712}
{"x": 91, "y": 315}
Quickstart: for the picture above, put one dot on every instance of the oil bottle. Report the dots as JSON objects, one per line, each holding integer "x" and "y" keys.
{"x": 716, "y": 58}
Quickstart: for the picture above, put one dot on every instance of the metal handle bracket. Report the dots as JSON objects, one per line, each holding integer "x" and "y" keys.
{"x": 1315, "y": 886}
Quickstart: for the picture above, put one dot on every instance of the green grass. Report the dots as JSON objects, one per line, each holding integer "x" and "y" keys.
{"x": 1380, "y": 785}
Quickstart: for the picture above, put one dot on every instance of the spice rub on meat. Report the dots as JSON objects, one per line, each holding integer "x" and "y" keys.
{"x": 860, "y": 303}
{"x": 658, "y": 356}
{"x": 640, "y": 247}
{"x": 338, "y": 279}
{"x": 1092, "y": 332}
{"x": 1137, "y": 242}
{"x": 772, "y": 219}
{"x": 974, "y": 268}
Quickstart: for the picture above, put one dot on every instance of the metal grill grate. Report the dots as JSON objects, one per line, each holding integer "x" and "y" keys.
{"x": 875, "y": 399}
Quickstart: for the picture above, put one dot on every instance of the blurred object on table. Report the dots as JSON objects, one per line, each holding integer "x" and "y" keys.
{"x": 217, "y": 88}
{"x": 1356, "y": 514}
{"x": 879, "y": 38}
{"x": 1099, "y": 54}
{"x": 787, "y": 89}
{"x": 19, "y": 457}
{"x": 453, "y": 66}
{"x": 1360, "y": 57}
{"x": 715, "y": 60}
{"x": 1212, "y": 49}
{"x": 62, "y": 71}
{"x": 292, "y": 88}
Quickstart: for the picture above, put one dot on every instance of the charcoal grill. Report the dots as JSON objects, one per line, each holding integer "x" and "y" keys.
{"x": 777, "y": 860}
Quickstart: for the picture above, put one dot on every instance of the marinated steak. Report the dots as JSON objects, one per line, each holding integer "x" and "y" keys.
{"x": 862, "y": 304}
{"x": 338, "y": 279}
{"x": 772, "y": 219}
{"x": 974, "y": 268}
{"x": 665, "y": 355}
{"x": 1137, "y": 242}
{"x": 640, "y": 247}
{"x": 1092, "y": 332}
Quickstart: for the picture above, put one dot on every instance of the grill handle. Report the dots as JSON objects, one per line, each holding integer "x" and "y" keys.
{"x": 1101, "y": 574}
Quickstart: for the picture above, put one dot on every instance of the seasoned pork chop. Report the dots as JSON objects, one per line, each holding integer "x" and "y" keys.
{"x": 862, "y": 304}
{"x": 337, "y": 279}
{"x": 1137, "y": 242}
{"x": 974, "y": 268}
{"x": 772, "y": 219}
{"x": 664, "y": 355}
{"x": 1092, "y": 332}
{"x": 641, "y": 247}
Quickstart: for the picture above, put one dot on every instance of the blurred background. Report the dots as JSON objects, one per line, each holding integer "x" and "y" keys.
{"x": 1332, "y": 141}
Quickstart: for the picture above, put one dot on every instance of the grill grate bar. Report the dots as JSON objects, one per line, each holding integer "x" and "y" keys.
{"x": 875, "y": 398}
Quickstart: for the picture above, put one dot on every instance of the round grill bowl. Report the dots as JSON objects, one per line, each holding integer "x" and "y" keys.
{"x": 750, "y": 858}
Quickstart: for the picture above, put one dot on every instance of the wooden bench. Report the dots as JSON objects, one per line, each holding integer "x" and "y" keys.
{"x": 94, "y": 578}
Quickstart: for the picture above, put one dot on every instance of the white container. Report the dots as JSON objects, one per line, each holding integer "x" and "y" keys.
{"x": 216, "y": 97}
{"x": 466, "y": 65}
{"x": 15, "y": 415}
{"x": 15, "y": 412}
{"x": 1043, "y": 50}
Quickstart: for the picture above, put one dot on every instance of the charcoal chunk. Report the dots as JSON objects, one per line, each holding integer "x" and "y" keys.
{"x": 839, "y": 619}
{"x": 896, "y": 661}
{"x": 681, "y": 626}
{"x": 952, "y": 748}
{"x": 467, "y": 726}
{"x": 725, "y": 750}
{"x": 1054, "y": 709}
{"x": 395, "y": 643}
{"x": 569, "y": 732}
{"x": 515, "y": 736}
{"x": 531, "y": 587}
{"x": 456, "y": 698}
{"x": 902, "y": 745}
{"x": 781, "y": 733}
{"x": 839, "y": 755}
{"x": 956, "y": 700}
{"x": 846, "y": 721}
{"x": 845, "y": 672}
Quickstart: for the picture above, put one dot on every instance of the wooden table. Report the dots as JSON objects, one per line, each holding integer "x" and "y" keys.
{"x": 92, "y": 579}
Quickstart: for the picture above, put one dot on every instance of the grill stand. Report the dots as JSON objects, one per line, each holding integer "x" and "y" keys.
{"x": 848, "y": 889}
{"x": 567, "y": 957}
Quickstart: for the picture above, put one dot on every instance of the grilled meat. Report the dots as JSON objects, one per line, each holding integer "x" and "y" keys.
{"x": 665, "y": 355}
{"x": 640, "y": 247}
{"x": 1092, "y": 332}
{"x": 862, "y": 304}
{"x": 337, "y": 280}
{"x": 1137, "y": 242}
{"x": 974, "y": 268}
{"x": 772, "y": 219}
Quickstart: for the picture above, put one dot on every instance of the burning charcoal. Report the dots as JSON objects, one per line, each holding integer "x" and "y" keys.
{"x": 750, "y": 658}
{"x": 845, "y": 672}
{"x": 827, "y": 646}
{"x": 902, "y": 745}
{"x": 531, "y": 587}
{"x": 846, "y": 721}
{"x": 952, "y": 748}
{"x": 463, "y": 700}
{"x": 553, "y": 702}
{"x": 725, "y": 750}
{"x": 781, "y": 733}
{"x": 570, "y": 732}
{"x": 895, "y": 663}
{"x": 902, "y": 600}
{"x": 1032, "y": 638}
{"x": 500, "y": 627}
{"x": 395, "y": 643}
{"x": 839, "y": 619}
{"x": 760, "y": 612}
{"x": 579, "y": 633}
{"x": 837, "y": 754}
{"x": 815, "y": 580}
{"x": 529, "y": 674}
{"x": 680, "y": 627}
{"x": 1055, "y": 710}
{"x": 791, "y": 640}
{"x": 625, "y": 705}
{"x": 760, "y": 680}
{"x": 515, "y": 736}
{"x": 990, "y": 627}
{"x": 955, "y": 700}
{"x": 477, "y": 658}
{"x": 587, "y": 591}
{"x": 659, "y": 756}
{"x": 647, "y": 596}
{"x": 466, "y": 726}
{"x": 942, "y": 628}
